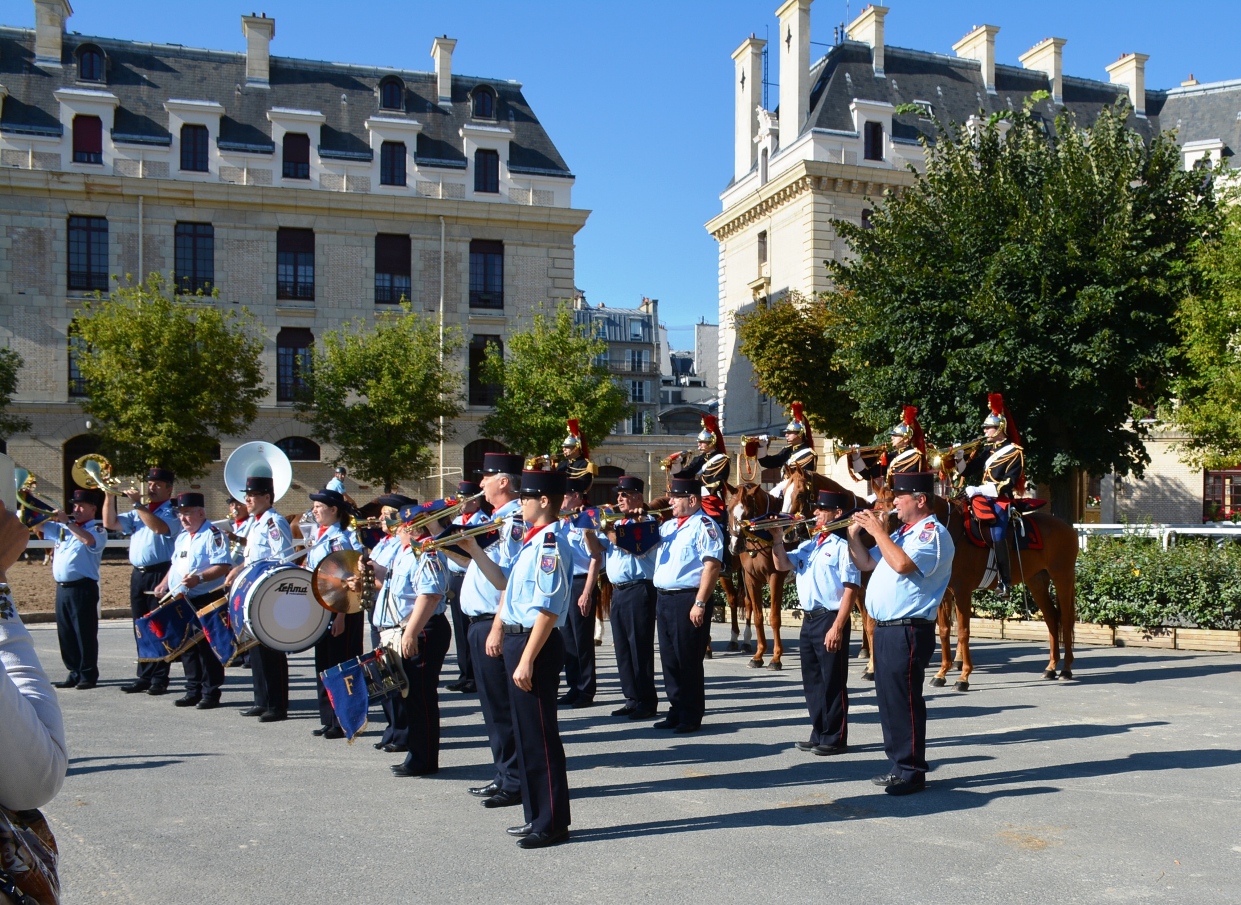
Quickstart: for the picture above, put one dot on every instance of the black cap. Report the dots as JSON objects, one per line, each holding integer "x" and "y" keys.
{"x": 258, "y": 484}
{"x": 630, "y": 482}
{"x": 189, "y": 499}
{"x": 914, "y": 482}
{"x": 684, "y": 486}
{"x": 502, "y": 463}
{"x": 833, "y": 499}
{"x": 543, "y": 483}
{"x": 468, "y": 488}
{"x": 396, "y": 500}
{"x": 94, "y": 497}
{"x": 575, "y": 484}
{"x": 330, "y": 498}
{"x": 155, "y": 473}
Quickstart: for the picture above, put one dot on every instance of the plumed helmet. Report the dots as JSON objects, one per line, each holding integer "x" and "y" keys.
{"x": 996, "y": 417}
{"x": 910, "y": 428}
{"x": 710, "y": 433}
{"x": 574, "y": 440}
{"x": 797, "y": 424}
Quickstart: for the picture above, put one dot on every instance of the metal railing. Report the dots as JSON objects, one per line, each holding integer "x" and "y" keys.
{"x": 1165, "y": 534}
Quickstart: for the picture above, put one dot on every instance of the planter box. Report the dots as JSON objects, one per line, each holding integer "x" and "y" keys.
{"x": 986, "y": 628}
{"x": 1208, "y": 639}
{"x": 1128, "y": 636}
{"x": 1025, "y": 630}
{"x": 1090, "y": 633}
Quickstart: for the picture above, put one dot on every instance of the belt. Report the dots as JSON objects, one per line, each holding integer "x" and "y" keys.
{"x": 580, "y": 575}
{"x": 677, "y": 590}
{"x": 887, "y": 622}
{"x": 158, "y": 565}
{"x": 818, "y": 611}
{"x": 516, "y": 629}
{"x": 77, "y": 582}
{"x": 620, "y": 586}
{"x": 485, "y": 617}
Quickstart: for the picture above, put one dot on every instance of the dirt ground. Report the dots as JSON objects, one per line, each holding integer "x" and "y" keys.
{"x": 34, "y": 590}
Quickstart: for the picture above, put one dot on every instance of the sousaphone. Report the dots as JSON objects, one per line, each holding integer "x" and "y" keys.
{"x": 257, "y": 460}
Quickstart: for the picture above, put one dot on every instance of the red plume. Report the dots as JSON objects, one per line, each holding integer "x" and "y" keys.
{"x": 996, "y": 401}
{"x": 799, "y": 415}
{"x": 910, "y": 416}
{"x": 576, "y": 431}
{"x": 712, "y": 424}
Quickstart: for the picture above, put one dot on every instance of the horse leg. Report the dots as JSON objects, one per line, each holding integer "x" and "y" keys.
{"x": 775, "y": 585}
{"x": 943, "y": 622}
{"x": 963, "y": 601}
{"x": 754, "y": 598}
{"x": 1065, "y": 581}
{"x": 1038, "y": 586}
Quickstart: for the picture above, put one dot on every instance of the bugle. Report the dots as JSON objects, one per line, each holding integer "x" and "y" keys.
{"x": 94, "y": 472}
{"x": 937, "y": 457}
{"x": 777, "y": 523}
{"x": 448, "y": 540}
{"x": 447, "y": 512}
{"x": 843, "y": 451}
{"x": 606, "y": 520}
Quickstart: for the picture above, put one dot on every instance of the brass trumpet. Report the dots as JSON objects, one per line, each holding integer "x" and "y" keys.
{"x": 436, "y": 543}
{"x": 776, "y": 523}
{"x": 94, "y": 472}
{"x": 608, "y": 518}
{"x": 937, "y": 457}
{"x": 388, "y": 524}
{"x": 843, "y": 451}
{"x": 447, "y": 513}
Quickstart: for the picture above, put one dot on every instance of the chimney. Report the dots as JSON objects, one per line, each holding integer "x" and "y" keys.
{"x": 868, "y": 28}
{"x": 748, "y": 84}
{"x": 441, "y": 52}
{"x": 979, "y": 45}
{"x": 1130, "y": 71}
{"x": 49, "y": 30}
{"x": 1048, "y": 56}
{"x": 259, "y": 30}
{"x": 794, "y": 16}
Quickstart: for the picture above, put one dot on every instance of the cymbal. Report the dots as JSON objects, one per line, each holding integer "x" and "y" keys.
{"x": 328, "y": 582}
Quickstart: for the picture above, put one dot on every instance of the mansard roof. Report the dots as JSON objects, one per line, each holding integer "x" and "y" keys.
{"x": 144, "y": 76}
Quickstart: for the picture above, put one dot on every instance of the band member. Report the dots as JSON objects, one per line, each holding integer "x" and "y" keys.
{"x": 471, "y": 514}
{"x": 686, "y": 568}
{"x": 907, "y": 455}
{"x": 633, "y": 601}
{"x": 152, "y": 528}
{"x": 911, "y": 571}
{"x": 395, "y": 737}
{"x": 269, "y": 537}
{"x": 200, "y": 563}
{"x": 579, "y": 633}
{"x": 343, "y": 640}
{"x": 1003, "y": 477}
{"x": 828, "y": 583}
{"x": 75, "y": 567}
{"x": 576, "y": 463}
{"x": 417, "y": 592}
{"x": 539, "y": 593}
{"x": 480, "y": 600}
{"x": 240, "y": 516}
{"x": 799, "y": 444}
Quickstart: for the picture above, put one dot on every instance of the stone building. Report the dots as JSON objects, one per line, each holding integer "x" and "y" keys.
{"x": 835, "y": 146}
{"x": 310, "y": 192}
{"x": 633, "y": 354}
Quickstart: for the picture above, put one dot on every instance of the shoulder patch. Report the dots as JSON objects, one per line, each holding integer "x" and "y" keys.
{"x": 547, "y": 563}
{"x": 433, "y": 563}
{"x": 516, "y": 531}
{"x": 927, "y": 533}
{"x": 711, "y": 529}
{"x": 273, "y": 532}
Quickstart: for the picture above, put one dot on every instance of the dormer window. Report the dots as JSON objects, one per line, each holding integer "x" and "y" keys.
{"x": 90, "y": 63}
{"x": 392, "y": 94}
{"x": 484, "y": 101}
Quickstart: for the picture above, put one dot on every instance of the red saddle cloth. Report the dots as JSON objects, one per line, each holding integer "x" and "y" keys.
{"x": 1025, "y": 532}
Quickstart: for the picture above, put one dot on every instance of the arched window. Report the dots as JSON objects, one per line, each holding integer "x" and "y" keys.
{"x": 90, "y": 63}
{"x": 392, "y": 94}
{"x": 484, "y": 101}
{"x": 472, "y": 464}
{"x": 299, "y": 449}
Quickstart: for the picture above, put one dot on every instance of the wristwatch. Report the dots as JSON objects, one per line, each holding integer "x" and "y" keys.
{"x": 700, "y": 604}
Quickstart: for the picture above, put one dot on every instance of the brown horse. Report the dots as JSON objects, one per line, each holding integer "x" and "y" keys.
{"x": 1054, "y": 565}
{"x": 758, "y": 570}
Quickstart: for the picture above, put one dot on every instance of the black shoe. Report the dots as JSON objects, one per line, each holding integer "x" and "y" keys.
{"x": 67, "y": 683}
{"x": 402, "y": 770}
{"x": 136, "y": 687}
{"x": 395, "y": 749}
{"x": 885, "y": 779}
{"x": 543, "y": 840}
{"x": 188, "y": 700}
{"x": 253, "y": 711}
{"x": 156, "y": 690}
{"x": 686, "y": 728}
{"x": 334, "y": 732}
{"x": 380, "y": 746}
{"x": 273, "y": 716}
{"x": 208, "y": 704}
{"x": 829, "y": 750}
{"x": 85, "y": 686}
{"x": 805, "y": 746}
{"x": 567, "y": 698}
{"x": 470, "y": 688}
{"x": 668, "y": 722}
{"x": 641, "y": 714}
{"x": 907, "y": 786}
{"x": 485, "y": 791}
{"x": 520, "y": 831}
{"x": 502, "y": 800}
{"x": 319, "y": 731}
{"x": 458, "y": 685}
{"x": 583, "y": 702}
{"x": 623, "y": 711}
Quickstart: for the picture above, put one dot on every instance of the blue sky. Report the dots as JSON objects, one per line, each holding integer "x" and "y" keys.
{"x": 638, "y": 94}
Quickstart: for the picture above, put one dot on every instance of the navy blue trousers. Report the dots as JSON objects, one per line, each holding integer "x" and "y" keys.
{"x": 140, "y": 604}
{"x": 825, "y": 679}
{"x": 540, "y": 753}
{"x": 460, "y": 628}
{"x": 397, "y": 730}
{"x": 270, "y": 669}
{"x": 77, "y": 628}
{"x": 579, "y": 645}
{"x": 633, "y": 639}
{"x": 493, "y": 687}
{"x": 901, "y": 656}
{"x": 422, "y": 704}
{"x": 681, "y": 648}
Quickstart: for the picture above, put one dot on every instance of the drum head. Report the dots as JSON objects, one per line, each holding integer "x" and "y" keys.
{"x": 282, "y": 612}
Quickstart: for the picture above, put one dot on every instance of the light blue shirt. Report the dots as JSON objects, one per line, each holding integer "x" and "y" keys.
{"x": 891, "y": 595}
{"x": 242, "y": 531}
{"x": 333, "y": 539}
{"x": 623, "y": 566}
{"x": 577, "y": 542}
{"x": 682, "y": 555}
{"x": 414, "y": 574}
{"x": 269, "y": 537}
{"x": 336, "y": 484}
{"x": 146, "y": 548}
{"x": 384, "y": 554}
{"x": 474, "y": 518}
{"x": 822, "y": 570}
{"x": 197, "y": 552}
{"x": 71, "y": 559}
{"x": 541, "y": 580}
{"x": 479, "y": 597}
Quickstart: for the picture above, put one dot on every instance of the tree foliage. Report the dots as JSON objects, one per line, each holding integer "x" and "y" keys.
{"x": 1047, "y": 267}
{"x": 791, "y": 345}
{"x": 10, "y": 364}
{"x": 166, "y": 376}
{"x": 552, "y": 373}
{"x": 1206, "y": 398}
{"x": 377, "y": 391}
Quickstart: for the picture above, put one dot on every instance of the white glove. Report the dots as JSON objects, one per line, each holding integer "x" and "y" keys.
{"x": 857, "y": 462}
{"x": 959, "y": 461}
{"x": 763, "y": 441}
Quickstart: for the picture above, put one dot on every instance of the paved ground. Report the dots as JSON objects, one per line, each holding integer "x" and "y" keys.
{"x": 1123, "y": 785}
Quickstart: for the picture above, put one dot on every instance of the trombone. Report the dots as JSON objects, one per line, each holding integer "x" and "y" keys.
{"x": 776, "y": 523}
{"x": 447, "y": 512}
{"x": 448, "y": 540}
{"x": 94, "y": 472}
{"x": 937, "y": 457}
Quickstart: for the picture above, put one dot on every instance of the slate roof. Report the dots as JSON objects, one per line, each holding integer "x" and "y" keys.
{"x": 143, "y": 76}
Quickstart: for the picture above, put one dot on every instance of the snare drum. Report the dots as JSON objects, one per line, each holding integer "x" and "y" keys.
{"x": 277, "y": 606}
{"x": 167, "y": 631}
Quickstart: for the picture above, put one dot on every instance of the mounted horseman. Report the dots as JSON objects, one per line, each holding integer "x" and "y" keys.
{"x": 798, "y": 452}
{"x": 1002, "y": 478}
{"x": 575, "y": 462}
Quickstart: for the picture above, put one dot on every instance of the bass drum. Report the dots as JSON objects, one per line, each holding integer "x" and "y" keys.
{"x": 277, "y": 606}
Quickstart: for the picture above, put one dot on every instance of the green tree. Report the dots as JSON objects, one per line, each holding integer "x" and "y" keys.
{"x": 10, "y": 364}
{"x": 1043, "y": 265}
{"x": 552, "y": 373}
{"x": 1206, "y": 395}
{"x": 791, "y": 345}
{"x": 167, "y": 376}
{"x": 377, "y": 391}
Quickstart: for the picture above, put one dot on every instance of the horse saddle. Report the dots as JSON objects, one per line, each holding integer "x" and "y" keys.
{"x": 1024, "y": 533}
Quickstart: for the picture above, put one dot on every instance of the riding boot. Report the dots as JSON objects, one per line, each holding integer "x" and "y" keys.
{"x": 1003, "y": 568}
